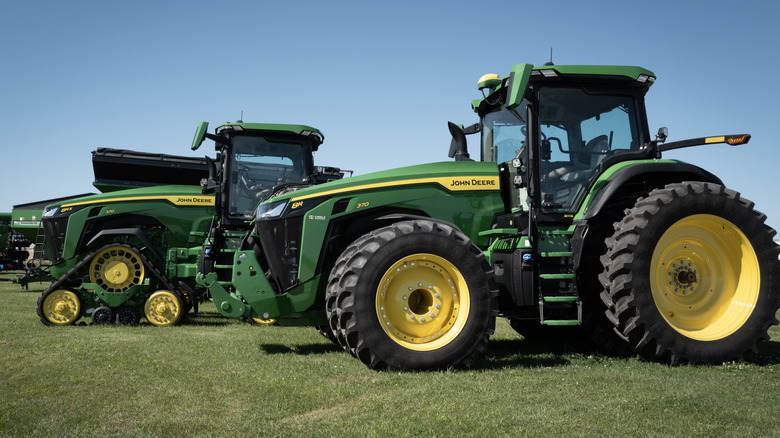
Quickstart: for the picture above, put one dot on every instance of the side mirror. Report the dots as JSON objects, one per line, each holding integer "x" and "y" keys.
{"x": 200, "y": 135}
{"x": 210, "y": 184}
{"x": 458, "y": 146}
{"x": 663, "y": 132}
{"x": 517, "y": 84}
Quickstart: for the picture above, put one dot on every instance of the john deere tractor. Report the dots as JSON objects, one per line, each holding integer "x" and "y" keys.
{"x": 124, "y": 254}
{"x": 566, "y": 217}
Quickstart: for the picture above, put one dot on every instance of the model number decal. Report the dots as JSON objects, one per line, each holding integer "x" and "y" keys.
{"x": 296, "y": 204}
{"x": 362, "y": 205}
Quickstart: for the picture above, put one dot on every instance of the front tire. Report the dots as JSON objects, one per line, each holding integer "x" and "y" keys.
{"x": 414, "y": 295}
{"x": 691, "y": 275}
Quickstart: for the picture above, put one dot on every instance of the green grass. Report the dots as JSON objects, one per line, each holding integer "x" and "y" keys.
{"x": 216, "y": 376}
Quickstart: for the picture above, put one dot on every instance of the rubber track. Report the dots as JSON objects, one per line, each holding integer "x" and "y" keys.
{"x": 149, "y": 266}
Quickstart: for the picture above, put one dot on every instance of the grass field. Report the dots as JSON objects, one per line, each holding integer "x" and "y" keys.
{"x": 216, "y": 376}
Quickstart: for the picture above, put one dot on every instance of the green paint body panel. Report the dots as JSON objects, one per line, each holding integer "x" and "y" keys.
{"x": 606, "y": 177}
{"x": 433, "y": 190}
{"x": 561, "y": 322}
{"x": 465, "y": 194}
{"x": 249, "y": 279}
{"x": 112, "y": 299}
{"x": 631, "y": 72}
{"x": 182, "y": 210}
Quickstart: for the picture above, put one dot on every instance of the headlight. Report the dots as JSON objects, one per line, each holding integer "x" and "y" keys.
{"x": 270, "y": 210}
{"x": 50, "y": 211}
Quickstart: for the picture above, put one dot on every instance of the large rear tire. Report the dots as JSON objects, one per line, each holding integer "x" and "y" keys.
{"x": 691, "y": 275}
{"x": 414, "y": 295}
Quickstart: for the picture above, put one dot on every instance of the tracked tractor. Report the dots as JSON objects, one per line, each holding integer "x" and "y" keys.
{"x": 566, "y": 218}
{"x": 130, "y": 254}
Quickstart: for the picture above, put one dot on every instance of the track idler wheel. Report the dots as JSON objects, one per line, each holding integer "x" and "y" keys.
{"x": 59, "y": 307}
{"x": 164, "y": 308}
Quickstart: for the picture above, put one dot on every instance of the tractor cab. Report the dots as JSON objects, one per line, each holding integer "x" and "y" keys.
{"x": 577, "y": 129}
{"x": 253, "y": 161}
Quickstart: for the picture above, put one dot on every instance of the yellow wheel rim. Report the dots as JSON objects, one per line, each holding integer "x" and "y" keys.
{"x": 61, "y": 307}
{"x": 422, "y": 302}
{"x": 163, "y": 308}
{"x": 264, "y": 321}
{"x": 705, "y": 277}
{"x": 115, "y": 269}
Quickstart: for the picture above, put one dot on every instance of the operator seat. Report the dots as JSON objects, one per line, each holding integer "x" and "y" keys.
{"x": 595, "y": 151}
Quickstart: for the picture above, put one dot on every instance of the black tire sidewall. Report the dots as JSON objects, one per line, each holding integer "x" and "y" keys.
{"x": 708, "y": 201}
{"x": 469, "y": 266}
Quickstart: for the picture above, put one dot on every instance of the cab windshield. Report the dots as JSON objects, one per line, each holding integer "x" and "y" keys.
{"x": 504, "y": 140}
{"x": 504, "y": 134}
{"x": 257, "y": 164}
{"x": 578, "y": 129}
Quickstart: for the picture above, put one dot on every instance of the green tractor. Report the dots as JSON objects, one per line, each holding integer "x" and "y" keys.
{"x": 569, "y": 221}
{"x": 128, "y": 253}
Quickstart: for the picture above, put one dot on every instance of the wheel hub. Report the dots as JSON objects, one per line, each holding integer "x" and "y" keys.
{"x": 682, "y": 277}
{"x": 161, "y": 308}
{"x": 117, "y": 273}
{"x": 422, "y": 303}
{"x": 418, "y": 303}
{"x": 704, "y": 277}
{"x": 61, "y": 307}
{"x": 116, "y": 268}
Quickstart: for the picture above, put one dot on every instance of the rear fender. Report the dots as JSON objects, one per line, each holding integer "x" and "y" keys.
{"x": 104, "y": 235}
{"x": 652, "y": 174}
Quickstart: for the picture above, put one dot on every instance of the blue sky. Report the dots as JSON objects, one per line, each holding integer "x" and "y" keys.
{"x": 381, "y": 80}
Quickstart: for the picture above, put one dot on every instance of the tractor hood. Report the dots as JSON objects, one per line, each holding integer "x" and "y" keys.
{"x": 449, "y": 176}
{"x": 179, "y": 195}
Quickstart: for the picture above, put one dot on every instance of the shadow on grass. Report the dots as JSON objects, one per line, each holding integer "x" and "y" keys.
{"x": 768, "y": 354}
{"x": 202, "y": 322}
{"x": 303, "y": 350}
{"x": 524, "y": 353}
{"x": 500, "y": 353}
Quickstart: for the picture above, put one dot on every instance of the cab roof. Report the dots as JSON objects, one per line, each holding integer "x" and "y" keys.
{"x": 315, "y": 134}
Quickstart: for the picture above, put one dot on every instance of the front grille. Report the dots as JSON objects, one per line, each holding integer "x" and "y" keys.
{"x": 54, "y": 232}
{"x": 281, "y": 240}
